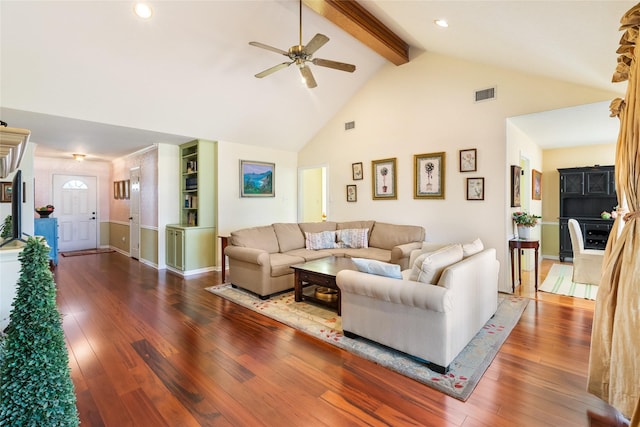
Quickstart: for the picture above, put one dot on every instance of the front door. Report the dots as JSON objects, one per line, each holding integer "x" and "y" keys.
{"x": 74, "y": 197}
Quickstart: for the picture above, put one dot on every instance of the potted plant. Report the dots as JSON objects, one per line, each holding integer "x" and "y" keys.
{"x": 525, "y": 221}
{"x": 35, "y": 379}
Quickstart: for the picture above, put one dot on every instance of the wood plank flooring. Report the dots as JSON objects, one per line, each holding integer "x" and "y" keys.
{"x": 149, "y": 348}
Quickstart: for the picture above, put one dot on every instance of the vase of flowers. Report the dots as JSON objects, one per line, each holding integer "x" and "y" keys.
{"x": 525, "y": 222}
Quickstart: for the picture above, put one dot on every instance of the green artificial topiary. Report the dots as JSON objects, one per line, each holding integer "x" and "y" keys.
{"x": 6, "y": 229}
{"x": 35, "y": 380}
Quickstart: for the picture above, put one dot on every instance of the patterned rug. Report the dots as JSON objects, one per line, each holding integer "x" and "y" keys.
{"x": 87, "y": 252}
{"x": 558, "y": 281}
{"x": 465, "y": 371}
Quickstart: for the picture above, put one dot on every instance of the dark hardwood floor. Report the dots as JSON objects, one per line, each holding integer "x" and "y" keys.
{"x": 149, "y": 348}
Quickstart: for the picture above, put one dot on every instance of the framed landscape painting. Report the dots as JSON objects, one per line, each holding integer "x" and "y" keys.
{"x": 515, "y": 186}
{"x": 536, "y": 185}
{"x": 429, "y": 175}
{"x": 384, "y": 179}
{"x": 257, "y": 179}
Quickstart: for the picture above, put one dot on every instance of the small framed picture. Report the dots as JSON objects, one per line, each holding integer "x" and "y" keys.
{"x": 116, "y": 190}
{"x": 127, "y": 187}
{"x": 468, "y": 160}
{"x": 475, "y": 188}
{"x": 536, "y": 184}
{"x": 5, "y": 192}
{"x": 428, "y": 176}
{"x": 352, "y": 193}
{"x": 383, "y": 179}
{"x": 257, "y": 179}
{"x": 356, "y": 171}
{"x": 515, "y": 186}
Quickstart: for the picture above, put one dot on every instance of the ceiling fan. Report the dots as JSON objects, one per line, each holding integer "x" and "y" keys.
{"x": 300, "y": 55}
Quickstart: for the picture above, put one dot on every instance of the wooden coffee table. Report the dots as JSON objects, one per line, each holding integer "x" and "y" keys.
{"x": 320, "y": 273}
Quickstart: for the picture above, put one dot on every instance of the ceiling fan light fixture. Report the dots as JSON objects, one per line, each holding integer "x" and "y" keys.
{"x": 442, "y": 23}
{"x": 142, "y": 10}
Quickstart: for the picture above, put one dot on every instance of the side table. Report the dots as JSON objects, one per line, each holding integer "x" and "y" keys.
{"x": 224, "y": 240}
{"x": 517, "y": 244}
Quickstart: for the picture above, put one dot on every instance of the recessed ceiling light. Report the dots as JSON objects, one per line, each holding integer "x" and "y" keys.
{"x": 442, "y": 23}
{"x": 143, "y": 10}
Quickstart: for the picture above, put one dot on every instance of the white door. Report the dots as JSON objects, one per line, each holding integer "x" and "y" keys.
{"x": 134, "y": 213}
{"x": 74, "y": 197}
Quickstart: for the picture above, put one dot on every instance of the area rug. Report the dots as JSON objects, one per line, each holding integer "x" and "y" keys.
{"x": 87, "y": 252}
{"x": 558, "y": 281}
{"x": 465, "y": 371}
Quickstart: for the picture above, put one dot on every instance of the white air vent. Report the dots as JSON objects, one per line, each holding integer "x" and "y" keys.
{"x": 485, "y": 94}
{"x": 349, "y": 125}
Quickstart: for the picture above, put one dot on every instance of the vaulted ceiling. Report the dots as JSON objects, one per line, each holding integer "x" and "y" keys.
{"x": 92, "y": 77}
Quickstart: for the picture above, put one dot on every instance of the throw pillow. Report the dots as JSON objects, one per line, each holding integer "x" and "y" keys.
{"x": 433, "y": 264}
{"x": 472, "y": 248}
{"x": 322, "y": 240}
{"x": 353, "y": 238}
{"x": 377, "y": 267}
{"x": 427, "y": 249}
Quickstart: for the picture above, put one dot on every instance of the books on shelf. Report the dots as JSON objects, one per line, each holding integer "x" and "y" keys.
{"x": 190, "y": 201}
{"x": 192, "y": 166}
{"x": 191, "y": 183}
{"x": 192, "y": 218}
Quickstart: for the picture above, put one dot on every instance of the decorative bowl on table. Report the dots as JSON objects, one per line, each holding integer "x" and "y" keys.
{"x": 45, "y": 211}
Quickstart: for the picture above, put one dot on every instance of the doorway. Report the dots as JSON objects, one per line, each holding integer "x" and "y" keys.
{"x": 134, "y": 212}
{"x": 312, "y": 194}
{"x": 74, "y": 197}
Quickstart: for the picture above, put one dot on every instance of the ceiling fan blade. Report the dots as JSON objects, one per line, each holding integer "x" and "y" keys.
{"x": 307, "y": 75}
{"x": 273, "y": 69}
{"x": 334, "y": 64}
{"x": 315, "y": 43}
{"x": 271, "y": 48}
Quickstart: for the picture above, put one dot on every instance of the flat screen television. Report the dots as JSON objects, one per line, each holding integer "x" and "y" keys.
{"x": 16, "y": 209}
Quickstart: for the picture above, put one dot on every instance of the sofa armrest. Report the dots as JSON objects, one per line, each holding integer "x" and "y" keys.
{"x": 400, "y": 254}
{"x": 251, "y": 255}
{"x": 397, "y": 291}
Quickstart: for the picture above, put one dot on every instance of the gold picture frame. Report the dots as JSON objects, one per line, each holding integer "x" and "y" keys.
{"x": 429, "y": 176}
{"x": 536, "y": 185}
{"x": 116, "y": 190}
{"x": 516, "y": 171}
{"x": 383, "y": 179}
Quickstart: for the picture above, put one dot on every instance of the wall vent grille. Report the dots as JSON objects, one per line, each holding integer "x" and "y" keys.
{"x": 485, "y": 94}
{"x": 349, "y": 125}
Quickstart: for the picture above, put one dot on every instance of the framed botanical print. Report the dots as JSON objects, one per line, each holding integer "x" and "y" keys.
{"x": 352, "y": 193}
{"x": 515, "y": 186}
{"x": 383, "y": 179}
{"x": 257, "y": 179}
{"x": 475, "y": 188}
{"x": 536, "y": 185}
{"x": 468, "y": 160}
{"x": 429, "y": 174}
{"x": 356, "y": 171}
{"x": 5, "y": 192}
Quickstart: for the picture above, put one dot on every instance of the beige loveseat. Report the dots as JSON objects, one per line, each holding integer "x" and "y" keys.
{"x": 431, "y": 320}
{"x": 260, "y": 257}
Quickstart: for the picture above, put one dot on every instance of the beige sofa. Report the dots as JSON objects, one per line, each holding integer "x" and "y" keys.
{"x": 260, "y": 257}
{"x": 432, "y": 322}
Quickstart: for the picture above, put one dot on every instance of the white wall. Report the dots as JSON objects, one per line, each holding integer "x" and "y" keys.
{"x": 235, "y": 212}
{"x": 427, "y": 106}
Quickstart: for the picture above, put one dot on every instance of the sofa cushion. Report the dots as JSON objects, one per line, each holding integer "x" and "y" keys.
{"x": 281, "y": 263}
{"x": 289, "y": 236}
{"x": 370, "y": 253}
{"x": 310, "y": 255}
{"x": 386, "y": 236}
{"x": 322, "y": 240}
{"x": 378, "y": 268}
{"x": 356, "y": 224}
{"x": 430, "y": 265}
{"x": 317, "y": 227}
{"x": 353, "y": 238}
{"x": 472, "y": 248}
{"x": 263, "y": 238}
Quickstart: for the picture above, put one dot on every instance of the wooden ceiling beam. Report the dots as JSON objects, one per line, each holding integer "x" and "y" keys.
{"x": 361, "y": 24}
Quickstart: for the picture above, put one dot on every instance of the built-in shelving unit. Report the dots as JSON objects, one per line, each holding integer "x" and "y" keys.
{"x": 585, "y": 193}
{"x": 191, "y": 243}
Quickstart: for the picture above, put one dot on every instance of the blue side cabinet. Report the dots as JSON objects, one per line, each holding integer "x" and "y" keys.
{"x": 48, "y": 228}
